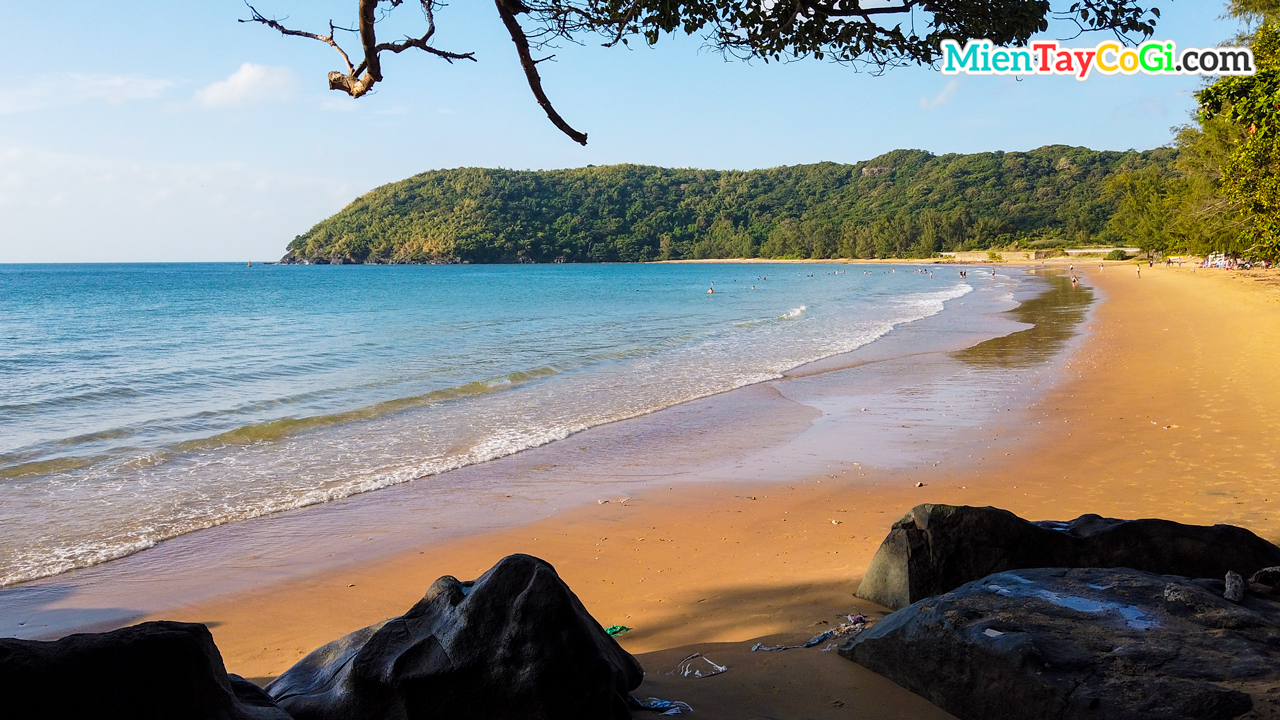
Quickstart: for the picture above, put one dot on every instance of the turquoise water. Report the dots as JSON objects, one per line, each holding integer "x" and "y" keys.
{"x": 139, "y": 402}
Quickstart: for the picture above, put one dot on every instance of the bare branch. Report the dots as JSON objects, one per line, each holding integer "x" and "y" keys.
{"x": 507, "y": 9}
{"x": 359, "y": 79}
{"x": 326, "y": 39}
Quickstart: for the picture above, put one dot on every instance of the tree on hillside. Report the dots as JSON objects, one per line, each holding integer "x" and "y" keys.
{"x": 879, "y": 34}
{"x": 1250, "y": 171}
{"x": 1142, "y": 212}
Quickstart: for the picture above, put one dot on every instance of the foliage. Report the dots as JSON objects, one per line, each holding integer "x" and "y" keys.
{"x": 907, "y": 203}
{"x": 1250, "y": 176}
{"x": 1117, "y": 254}
{"x": 1222, "y": 192}
{"x": 837, "y": 29}
{"x": 881, "y": 35}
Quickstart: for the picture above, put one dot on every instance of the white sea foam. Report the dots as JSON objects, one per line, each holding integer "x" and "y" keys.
{"x": 119, "y": 506}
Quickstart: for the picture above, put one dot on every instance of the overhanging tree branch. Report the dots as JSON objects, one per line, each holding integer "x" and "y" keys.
{"x": 844, "y": 31}
{"x": 508, "y": 9}
{"x": 360, "y": 79}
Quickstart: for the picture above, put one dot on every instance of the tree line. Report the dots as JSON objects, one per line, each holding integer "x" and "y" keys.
{"x": 907, "y": 203}
{"x": 1221, "y": 193}
{"x": 1215, "y": 189}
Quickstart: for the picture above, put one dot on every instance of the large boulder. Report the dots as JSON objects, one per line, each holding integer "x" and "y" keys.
{"x": 937, "y": 548}
{"x": 1071, "y": 644}
{"x": 515, "y": 643}
{"x": 152, "y": 671}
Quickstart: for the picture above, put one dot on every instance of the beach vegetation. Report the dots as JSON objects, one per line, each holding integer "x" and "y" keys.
{"x": 1221, "y": 192}
{"x": 1250, "y": 176}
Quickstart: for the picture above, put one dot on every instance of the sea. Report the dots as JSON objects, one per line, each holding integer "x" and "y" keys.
{"x": 139, "y": 402}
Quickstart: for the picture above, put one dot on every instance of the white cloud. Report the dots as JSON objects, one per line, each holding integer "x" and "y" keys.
{"x": 62, "y": 89}
{"x": 62, "y": 207}
{"x": 250, "y": 84}
{"x": 941, "y": 98}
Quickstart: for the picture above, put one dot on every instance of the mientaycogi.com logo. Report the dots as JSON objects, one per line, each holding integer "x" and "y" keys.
{"x": 1154, "y": 57}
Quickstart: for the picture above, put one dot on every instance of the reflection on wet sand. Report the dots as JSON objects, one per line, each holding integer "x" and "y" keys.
{"x": 1054, "y": 316}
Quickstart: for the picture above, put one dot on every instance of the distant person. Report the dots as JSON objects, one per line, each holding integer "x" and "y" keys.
{"x": 1139, "y": 271}
{"x": 711, "y": 291}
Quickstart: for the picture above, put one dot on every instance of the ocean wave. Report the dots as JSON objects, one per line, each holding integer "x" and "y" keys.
{"x": 43, "y": 467}
{"x": 285, "y": 427}
{"x": 220, "y": 479}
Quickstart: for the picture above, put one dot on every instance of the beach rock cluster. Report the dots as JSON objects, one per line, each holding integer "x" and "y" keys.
{"x": 151, "y": 671}
{"x": 1118, "y": 644}
{"x": 514, "y": 643}
{"x": 937, "y": 548}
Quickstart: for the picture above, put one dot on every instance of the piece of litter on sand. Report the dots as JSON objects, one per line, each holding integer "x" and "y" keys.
{"x": 992, "y": 632}
{"x": 616, "y": 630}
{"x": 919, "y": 484}
{"x": 602, "y": 502}
{"x": 665, "y": 707}
{"x": 696, "y": 666}
{"x": 856, "y": 624}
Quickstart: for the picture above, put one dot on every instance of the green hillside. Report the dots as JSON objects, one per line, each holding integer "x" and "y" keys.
{"x": 907, "y": 203}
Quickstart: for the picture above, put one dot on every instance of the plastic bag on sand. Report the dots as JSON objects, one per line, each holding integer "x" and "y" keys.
{"x": 856, "y": 624}
{"x": 665, "y": 707}
{"x": 697, "y": 665}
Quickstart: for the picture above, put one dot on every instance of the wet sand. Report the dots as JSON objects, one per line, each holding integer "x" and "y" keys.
{"x": 1167, "y": 407}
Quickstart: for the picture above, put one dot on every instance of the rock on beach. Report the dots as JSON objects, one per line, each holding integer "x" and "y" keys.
{"x": 938, "y": 548}
{"x": 516, "y": 642}
{"x": 1104, "y": 644}
{"x": 151, "y": 671}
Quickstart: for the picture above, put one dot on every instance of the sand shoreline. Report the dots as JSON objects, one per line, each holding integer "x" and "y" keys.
{"x": 1167, "y": 409}
{"x": 610, "y": 460}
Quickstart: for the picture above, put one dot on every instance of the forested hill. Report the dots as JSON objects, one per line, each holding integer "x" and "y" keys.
{"x": 903, "y": 204}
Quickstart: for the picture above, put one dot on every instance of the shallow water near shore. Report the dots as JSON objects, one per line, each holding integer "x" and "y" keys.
{"x": 921, "y": 407}
{"x": 143, "y": 402}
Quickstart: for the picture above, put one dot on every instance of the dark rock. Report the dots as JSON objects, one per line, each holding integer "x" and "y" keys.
{"x": 937, "y": 548}
{"x": 1105, "y": 644}
{"x": 1234, "y": 587}
{"x": 515, "y": 643}
{"x": 156, "y": 670}
{"x": 1267, "y": 576}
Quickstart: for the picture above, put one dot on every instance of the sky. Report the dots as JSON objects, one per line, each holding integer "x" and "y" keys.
{"x": 149, "y": 131}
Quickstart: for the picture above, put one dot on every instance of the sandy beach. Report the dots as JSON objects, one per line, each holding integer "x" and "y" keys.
{"x": 1166, "y": 407}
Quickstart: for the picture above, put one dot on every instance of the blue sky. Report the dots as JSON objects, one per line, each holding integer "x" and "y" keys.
{"x": 166, "y": 131}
